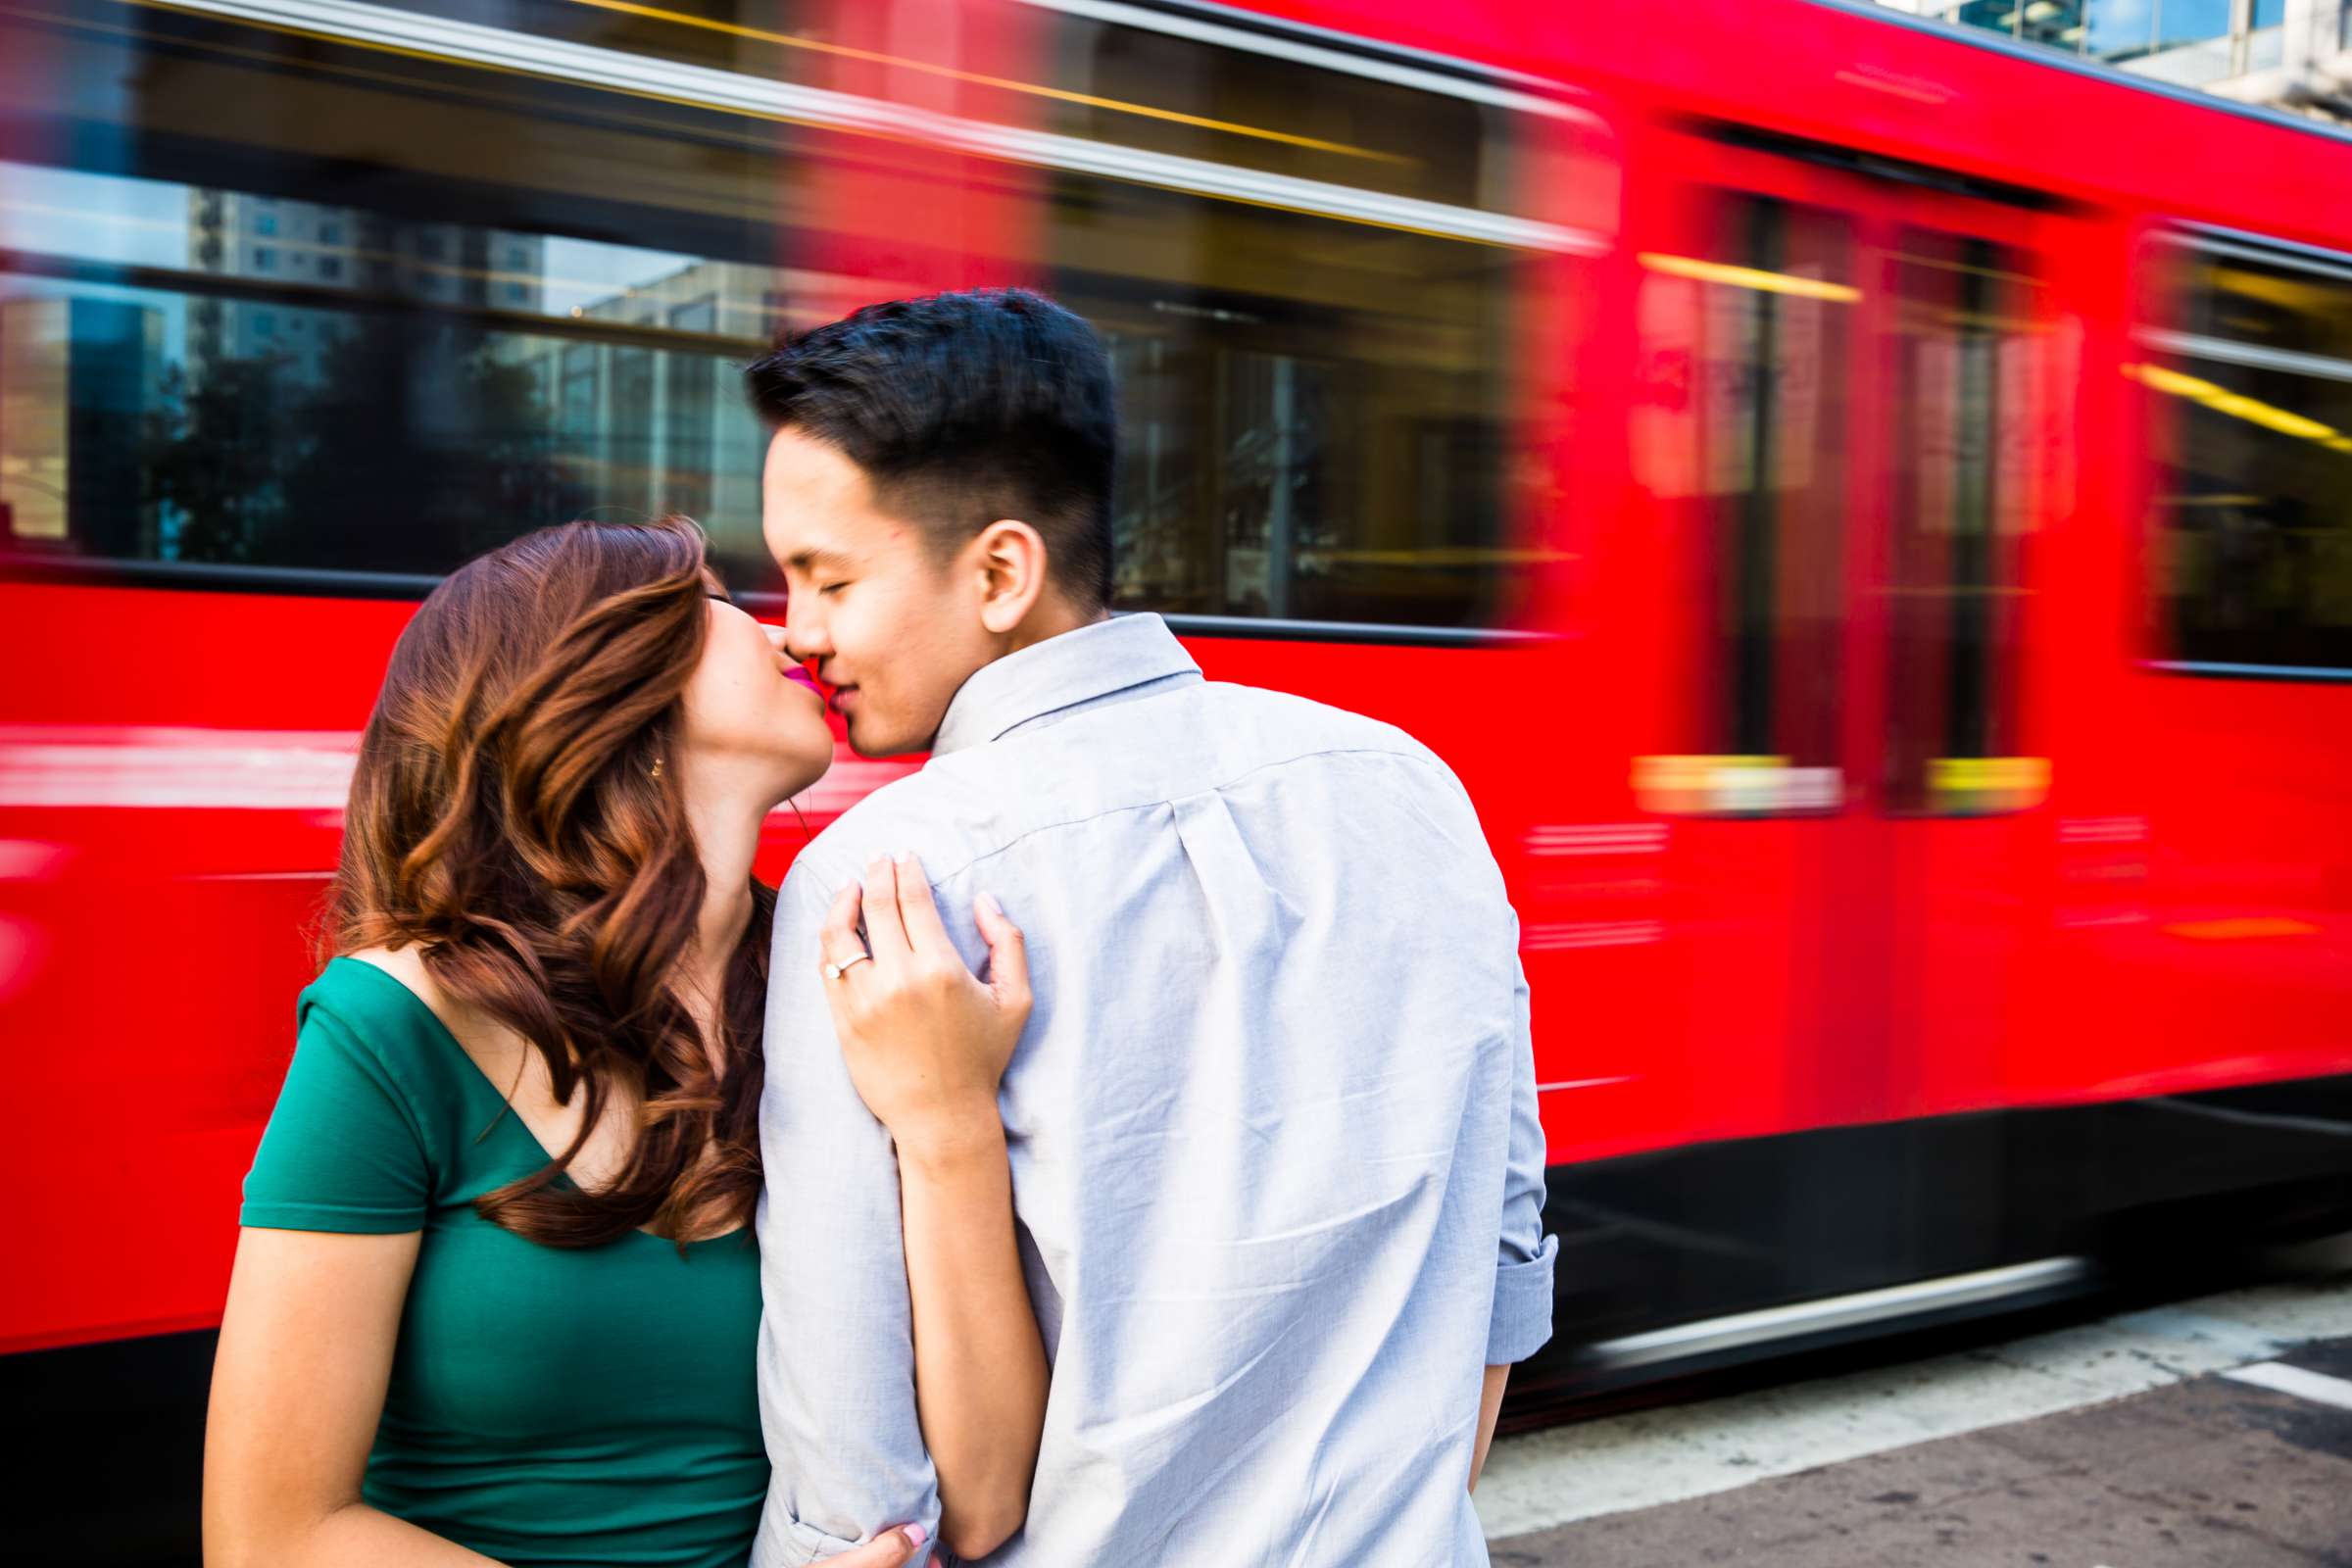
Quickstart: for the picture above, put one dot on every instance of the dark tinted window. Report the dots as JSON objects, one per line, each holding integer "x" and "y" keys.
{"x": 521, "y": 298}
{"x": 534, "y": 311}
{"x": 1301, "y": 441}
{"x": 1741, "y": 438}
{"x": 1969, "y": 330}
{"x": 1316, "y": 409}
{"x": 2250, "y": 391}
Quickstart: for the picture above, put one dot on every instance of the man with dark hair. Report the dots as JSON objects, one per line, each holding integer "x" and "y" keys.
{"x": 1272, "y": 1128}
{"x": 961, "y": 408}
{"x": 978, "y": 419}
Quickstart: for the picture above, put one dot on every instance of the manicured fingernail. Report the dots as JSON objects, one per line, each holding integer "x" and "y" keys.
{"x": 905, "y": 857}
{"x": 987, "y": 904}
{"x": 917, "y": 1534}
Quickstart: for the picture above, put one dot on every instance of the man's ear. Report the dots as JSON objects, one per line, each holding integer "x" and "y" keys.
{"x": 1010, "y": 556}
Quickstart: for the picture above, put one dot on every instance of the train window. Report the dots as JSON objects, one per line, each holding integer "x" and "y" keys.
{"x": 1960, "y": 463}
{"x": 1302, "y": 442}
{"x": 2250, "y": 384}
{"x": 334, "y": 428}
{"x": 496, "y": 299}
{"x": 1744, "y": 432}
{"x": 1316, "y": 407}
{"x": 303, "y": 306}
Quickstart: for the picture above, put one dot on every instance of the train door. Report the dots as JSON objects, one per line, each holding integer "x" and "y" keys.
{"x": 1845, "y": 434}
{"x": 1978, "y": 356}
{"x": 1744, "y": 440}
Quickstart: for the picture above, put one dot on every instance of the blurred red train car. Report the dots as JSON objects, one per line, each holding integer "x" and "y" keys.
{"x": 1867, "y": 510}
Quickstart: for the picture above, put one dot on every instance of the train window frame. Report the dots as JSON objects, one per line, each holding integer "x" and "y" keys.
{"x": 2161, "y": 353}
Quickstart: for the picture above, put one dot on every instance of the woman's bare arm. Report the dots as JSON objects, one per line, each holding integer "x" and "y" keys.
{"x": 1490, "y": 1406}
{"x": 298, "y": 1384}
{"x": 926, "y": 1044}
{"x": 979, "y": 1364}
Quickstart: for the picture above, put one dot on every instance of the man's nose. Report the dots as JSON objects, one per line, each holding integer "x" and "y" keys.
{"x": 802, "y": 639}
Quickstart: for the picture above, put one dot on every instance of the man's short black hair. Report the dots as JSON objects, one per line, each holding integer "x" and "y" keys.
{"x": 961, "y": 408}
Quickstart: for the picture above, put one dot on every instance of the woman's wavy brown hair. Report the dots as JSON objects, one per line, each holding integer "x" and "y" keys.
{"x": 508, "y": 816}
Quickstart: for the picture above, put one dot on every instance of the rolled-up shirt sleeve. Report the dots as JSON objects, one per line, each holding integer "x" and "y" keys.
{"x": 1523, "y": 1295}
{"x": 836, "y": 1336}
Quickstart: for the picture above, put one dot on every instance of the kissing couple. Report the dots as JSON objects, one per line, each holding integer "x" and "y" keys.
{"x": 1114, "y": 1144}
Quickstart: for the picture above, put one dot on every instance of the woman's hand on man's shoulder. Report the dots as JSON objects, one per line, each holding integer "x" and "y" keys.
{"x": 926, "y": 1039}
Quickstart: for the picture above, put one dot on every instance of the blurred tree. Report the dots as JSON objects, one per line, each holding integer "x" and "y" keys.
{"x": 212, "y": 457}
{"x": 413, "y": 452}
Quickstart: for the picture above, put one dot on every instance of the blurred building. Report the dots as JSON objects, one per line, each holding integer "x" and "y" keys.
{"x": 663, "y": 413}
{"x": 2287, "y": 53}
{"x": 76, "y": 377}
{"x": 316, "y": 252}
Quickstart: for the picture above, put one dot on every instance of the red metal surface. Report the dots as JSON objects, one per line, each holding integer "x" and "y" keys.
{"x": 2176, "y": 915}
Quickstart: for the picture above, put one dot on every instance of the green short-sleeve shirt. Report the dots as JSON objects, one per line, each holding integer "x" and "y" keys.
{"x": 546, "y": 1404}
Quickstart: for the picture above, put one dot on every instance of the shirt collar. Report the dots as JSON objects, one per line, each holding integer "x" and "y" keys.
{"x": 1078, "y": 667}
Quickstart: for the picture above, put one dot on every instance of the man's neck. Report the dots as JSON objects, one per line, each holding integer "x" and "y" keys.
{"x": 1044, "y": 623}
{"x": 1050, "y": 617}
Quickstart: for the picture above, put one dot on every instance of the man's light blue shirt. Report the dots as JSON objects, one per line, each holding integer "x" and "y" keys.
{"x": 1275, "y": 1154}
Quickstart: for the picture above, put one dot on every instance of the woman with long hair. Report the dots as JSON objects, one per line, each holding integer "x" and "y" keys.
{"x": 496, "y": 1297}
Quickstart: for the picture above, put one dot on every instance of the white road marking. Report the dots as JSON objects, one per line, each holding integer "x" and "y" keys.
{"x": 1543, "y": 1479}
{"x": 2314, "y": 1386}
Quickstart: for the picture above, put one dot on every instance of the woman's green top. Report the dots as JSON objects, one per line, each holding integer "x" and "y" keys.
{"x": 546, "y": 1404}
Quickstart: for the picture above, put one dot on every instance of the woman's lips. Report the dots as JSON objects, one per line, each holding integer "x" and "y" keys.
{"x": 795, "y": 672}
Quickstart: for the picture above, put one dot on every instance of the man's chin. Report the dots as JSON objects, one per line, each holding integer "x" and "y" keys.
{"x": 881, "y": 748}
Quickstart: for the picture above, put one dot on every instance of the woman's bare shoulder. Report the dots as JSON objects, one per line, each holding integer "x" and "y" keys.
{"x": 405, "y": 965}
{"x": 495, "y": 1050}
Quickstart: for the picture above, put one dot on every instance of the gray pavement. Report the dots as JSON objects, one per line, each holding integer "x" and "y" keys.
{"x": 2207, "y": 1472}
{"x": 1543, "y": 1481}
